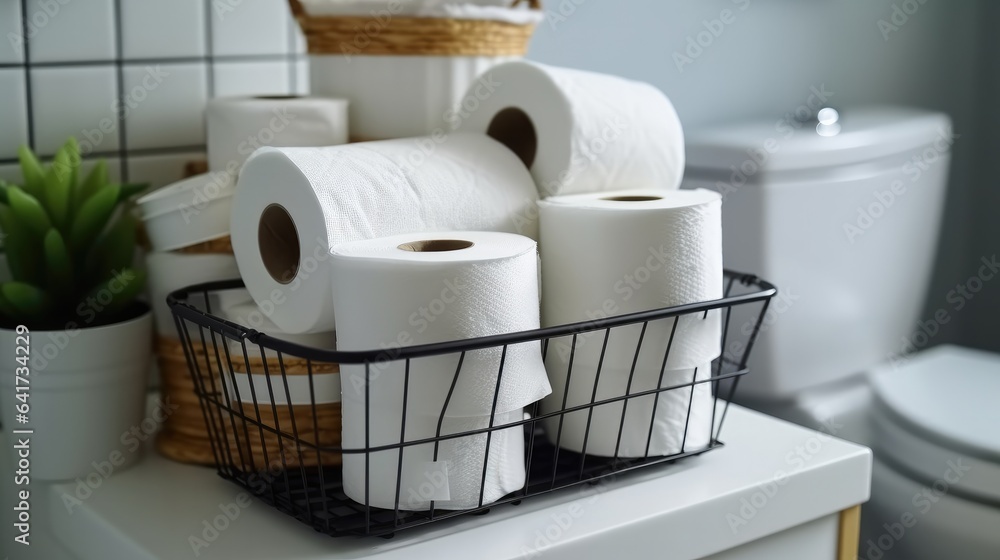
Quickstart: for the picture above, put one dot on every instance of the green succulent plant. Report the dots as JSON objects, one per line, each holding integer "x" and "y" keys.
{"x": 69, "y": 243}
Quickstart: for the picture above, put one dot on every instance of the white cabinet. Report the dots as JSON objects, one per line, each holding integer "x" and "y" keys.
{"x": 775, "y": 491}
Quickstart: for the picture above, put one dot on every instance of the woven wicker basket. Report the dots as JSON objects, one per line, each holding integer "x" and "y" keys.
{"x": 195, "y": 167}
{"x": 223, "y": 245}
{"x": 402, "y": 35}
{"x": 262, "y": 434}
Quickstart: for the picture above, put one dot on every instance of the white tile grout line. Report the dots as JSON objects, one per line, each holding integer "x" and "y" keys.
{"x": 290, "y": 57}
{"x": 209, "y": 59}
{"x": 120, "y": 71}
{"x": 28, "y": 102}
{"x": 143, "y": 152}
{"x": 163, "y": 60}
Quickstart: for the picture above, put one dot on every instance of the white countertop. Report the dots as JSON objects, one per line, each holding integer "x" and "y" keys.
{"x": 770, "y": 476}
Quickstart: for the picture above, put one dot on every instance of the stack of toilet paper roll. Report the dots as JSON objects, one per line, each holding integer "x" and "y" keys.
{"x": 362, "y": 50}
{"x": 187, "y": 230}
{"x": 428, "y": 239}
{"x": 192, "y": 216}
{"x": 606, "y": 254}
{"x": 294, "y": 205}
{"x": 367, "y": 239}
{"x": 188, "y": 226}
{"x": 417, "y": 289}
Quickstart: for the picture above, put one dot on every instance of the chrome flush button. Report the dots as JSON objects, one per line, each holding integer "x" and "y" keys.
{"x": 829, "y": 122}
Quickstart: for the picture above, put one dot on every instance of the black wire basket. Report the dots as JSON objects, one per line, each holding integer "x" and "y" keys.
{"x": 283, "y": 461}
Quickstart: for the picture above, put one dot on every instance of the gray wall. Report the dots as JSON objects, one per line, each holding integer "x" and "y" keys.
{"x": 763, "y": 63}
{"x": 983, "y": 329}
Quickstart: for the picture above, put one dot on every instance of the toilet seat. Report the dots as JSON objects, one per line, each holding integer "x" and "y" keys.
{"x": 937, "y": 418}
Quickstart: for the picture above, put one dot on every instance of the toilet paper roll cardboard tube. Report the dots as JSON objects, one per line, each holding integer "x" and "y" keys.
{"x": 279, "y": 243}
{"x": 633, "y": 198}
{"x": 436, "y": 245}
{"x": 513, "y": 128}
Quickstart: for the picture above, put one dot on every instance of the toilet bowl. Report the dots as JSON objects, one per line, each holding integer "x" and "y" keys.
{"x": 935, "y": 431}
{"x": 909, "y": 520}
{"x": 842, "y": 216}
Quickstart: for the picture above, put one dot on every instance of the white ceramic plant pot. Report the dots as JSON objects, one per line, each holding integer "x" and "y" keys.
{"x": 87, "y": 396}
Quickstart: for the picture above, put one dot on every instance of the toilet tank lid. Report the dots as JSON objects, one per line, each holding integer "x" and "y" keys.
{"x": 949, "y": 393}
{"x": 865, "y": 133}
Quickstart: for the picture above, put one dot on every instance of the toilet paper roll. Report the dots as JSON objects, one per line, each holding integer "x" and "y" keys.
{"x": 577, "y": 131}
{"x": 224, "y": 299}
{"x": 419, "y": 289}
{"x": 452, "y": 477}
{"x": 380, "y": 109}
{"x": 247, "y": 314}
{"x": 188, "y": 212}
{"x": 616, "y": 253}
{"x": 172, "y": 271}
{"x": 323, "y": 388}
{"x": 294, "y": 204}
{"x": 239, "y": 125}
{"x": 664, "y": 423}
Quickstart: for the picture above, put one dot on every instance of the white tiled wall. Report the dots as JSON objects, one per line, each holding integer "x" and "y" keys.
{"x": 130, "y": 78}
{"x": 10, "y": 27}
{"x": 71, "y": 30}
{"x": 158, "y": 28}
{"x": 77, "y": 101}
{"x": 14, "y": 124}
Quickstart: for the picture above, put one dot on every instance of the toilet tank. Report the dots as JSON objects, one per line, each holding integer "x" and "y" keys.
{"x": 844, "y": 218}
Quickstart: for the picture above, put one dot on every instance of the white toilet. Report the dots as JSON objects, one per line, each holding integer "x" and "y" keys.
{"x": 843, "y": 215}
